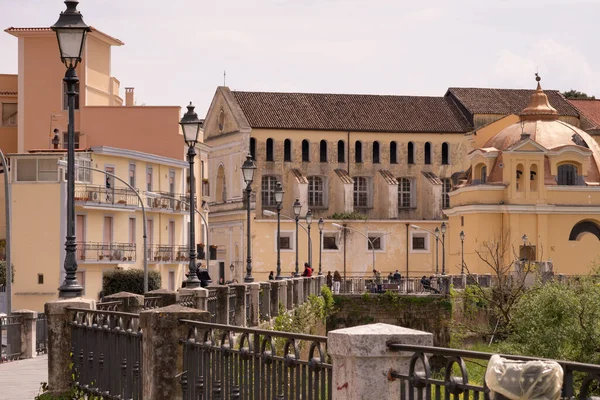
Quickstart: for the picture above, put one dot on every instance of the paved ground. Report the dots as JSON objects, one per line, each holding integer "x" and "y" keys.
{"x": 20, "y": 380}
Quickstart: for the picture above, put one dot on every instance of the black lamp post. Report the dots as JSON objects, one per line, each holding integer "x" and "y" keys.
{"x": 524, "y": 239}
{"x": 248, "y": 169}
{"x": 70, "y": 32}
{"x": 462, "y": 252}
{"x": 321, "y": 224}
{"x": 437, "y": 258}
{"x": 191, "y": 125}
{"x": 308, "y": 222}
{"x": 297, "y": 209}
{"x": 278, "y": 199}
{"x": 443, "y": 229}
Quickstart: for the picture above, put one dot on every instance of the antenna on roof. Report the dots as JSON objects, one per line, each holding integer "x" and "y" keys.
{"x": 224, "y": 77}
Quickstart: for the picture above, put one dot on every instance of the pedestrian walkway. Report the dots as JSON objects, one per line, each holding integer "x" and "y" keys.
{"x": 21, "y": 380}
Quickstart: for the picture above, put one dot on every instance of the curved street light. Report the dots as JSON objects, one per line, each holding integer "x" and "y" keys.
{"x": 248, "y": 169}
{"x": 371, "y": 241}
{"x": 297, "y": 207}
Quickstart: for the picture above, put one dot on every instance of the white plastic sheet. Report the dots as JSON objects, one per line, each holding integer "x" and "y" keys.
{"x": 524, "y": 380}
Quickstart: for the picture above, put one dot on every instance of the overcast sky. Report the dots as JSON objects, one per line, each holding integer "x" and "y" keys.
{"x": 176, "y": 51}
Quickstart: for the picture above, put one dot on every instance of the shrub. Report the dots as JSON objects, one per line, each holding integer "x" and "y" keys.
{"x": 130, "y": 280}
{"x": 3, "y": 273}
{"x": 354, "y": 215}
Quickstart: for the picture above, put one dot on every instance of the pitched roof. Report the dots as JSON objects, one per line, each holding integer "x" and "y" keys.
{"x": 590, "y": 109}
{"x": 343, "y": 175}
{"x": 388, "y": 177}
{"x": 505, "y": 101}
{"x": 350, "y": 112}
{"x": 300, "y": 178}
{"x": 432, "y": 178}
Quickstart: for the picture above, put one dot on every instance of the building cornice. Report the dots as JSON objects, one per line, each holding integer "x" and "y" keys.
{"x": 476, "y": 188}
{"x": 521, "y": 209}
{"x": 564, "y": 188}
{"x": 138, "y": 155}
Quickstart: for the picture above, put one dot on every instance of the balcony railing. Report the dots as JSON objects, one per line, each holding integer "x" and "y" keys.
{"x": 105, "y": 252}
{"x": 171, "y": 202}
{"x": 168, "y": 254}
{"x": 103, "y": 195}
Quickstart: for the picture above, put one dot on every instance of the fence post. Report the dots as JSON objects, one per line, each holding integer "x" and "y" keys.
{"x": 361, "y": 360}
{"x": 254, "y": 310}
{"x": 298, "y": 298}
{"x": 240, "y": 304}
{"x": 275, "y": 298}
{"x": 265, "y": 301}
{"x": 162, "y": 351}
{"x": 60, "y": 380}
{"x": 222, "y": 304}
{"x": 290, "y": 294}
{"x": 130, "y": 302}
{"x": 167, "y": 297}
{"x": 200, "y": 296}
{"x": 28, "y": 332}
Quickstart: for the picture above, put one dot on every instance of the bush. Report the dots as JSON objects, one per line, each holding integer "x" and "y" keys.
{"x": 3, "y": 273}
{"x": 355, "y": 215}
{"x": 131, "y": 280}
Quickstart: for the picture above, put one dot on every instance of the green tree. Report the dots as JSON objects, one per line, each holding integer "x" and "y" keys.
{"x": 575, "y": 94}
{"x": 3, "y": 273}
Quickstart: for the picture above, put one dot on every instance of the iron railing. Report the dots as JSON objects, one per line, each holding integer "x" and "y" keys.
{"x": 168, "y": 254}
{"x": 261, "y": 364}
{"x": 105, "y": 252}
{"x": 41, "y": 334}
{"x": 211, "y": 304}
{"x": 107, "y": 353}
{"x": 10, "y": 338}
{"x": 421, "y": 383}
{"x": 109, "y": 305}
{"x": 151, "y": 302}
{"x": 171, "y": 202}
{"x": 102, "y": 195}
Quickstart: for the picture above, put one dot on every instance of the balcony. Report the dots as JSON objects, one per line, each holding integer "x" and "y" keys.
{"x": 101, "y": 195}
{"x": 171, "y": 202}
{"x": 115, "y": 253}
{"x": 168, "y": 254}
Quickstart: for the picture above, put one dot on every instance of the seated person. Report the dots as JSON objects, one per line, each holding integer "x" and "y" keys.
{"x": 427, "y": 284}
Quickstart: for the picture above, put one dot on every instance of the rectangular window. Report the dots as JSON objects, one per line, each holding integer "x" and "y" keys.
{"x": 9, "y": 114}
{"x": 132, "y": 230}
{"x": 376, "y": 242}
{"x": 83, "y": 174}
{"x": 361, "y": 192}
{"x": 132, "y": 174}
{"x": 171, "y": 233}
{"x": 330, "y": 241}
{"x": 406, "y": 193}
{"x": 285, "y": 243}
{"x": 446, "y": 188}
{"x": 66, "y": 98}
{"x": 149, "y": 177}
{"x": 315, "y": 191}
{"x": 172, "y": 280}
{"x": 40, "y": 279}
{"x": 418, "y": 243}
{"x": 37, "y": 170}
{"x": 268, "y": 184}
{"x": 66, "y": 140}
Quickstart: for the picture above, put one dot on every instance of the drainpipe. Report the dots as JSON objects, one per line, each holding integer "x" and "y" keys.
{"x": 407, "y": 225}
{"x": 7, "y": 207}
{"x": 344, "y": 257}
{"x": 348, "y": 151}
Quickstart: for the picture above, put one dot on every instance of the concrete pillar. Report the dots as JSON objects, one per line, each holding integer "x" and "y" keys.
{"x": 162, "y": 352}
{"x": 130, "y": 302}
{"x": 283, "y": 293}
{"x": 240, "y": 304}
{"x": 445, "y": 284}
{"x": 200, "y": 297}
{"x": 275, "y": 298}
{"x": 254, "y": 310}
{"x": 306, "y": 287}
{"x": 167, "y": 297}
{"x": 28, "y": 332}
{"x": 298, "y": 289}
{"x": 265, "y": 300}
{"x": 222, "y": 304}
{"x": 290, "y": 294}
{"x": 59, "y": 342}
{"x": 361, "y": 359}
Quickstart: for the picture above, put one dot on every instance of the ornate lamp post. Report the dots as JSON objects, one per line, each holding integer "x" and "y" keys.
{"x": 278, "y": 199}
{"x": 308, "y": 222}
{"x": 443, "y": 229}
{"x": 191, "y": 125}
{"x": 70, "y": 32}
{"x": 437, "y": 240}
{"x": 248, "y": 169}
{"x": 462, "y": 252}
{"x": 321, "y": 224}
{"x": 297, "y": 209}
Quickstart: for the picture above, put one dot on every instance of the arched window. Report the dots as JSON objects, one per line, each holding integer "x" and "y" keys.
{"x": 269, "y": 149}
{"x": 520, "y": 178}
{"x": 479, "y": 174}
{"x": 267, "y": 191}
{"x": 375, "y": 152}
{"x": 411, "y": 153}
{"x": 533, "y": 177}
{"x": 358, "y": 151}
{"x": 583, "y": 227}
{"x": 361, "y": 192}
{"x": 427, "y": 150}
{"x": 316, "y": 196}
{"x": 287, "y": 150}
{"x": 323, "y": 151}
{"x": 253, "y": 148}
{"x": 220, "y": 192}
{"x": 341, "y": 152}
{"x": 567, "y": 175}
{"x": 445, "y": 153}
{"x": 393, "y": 153}
{"x": 483, "y": 174}
{"x": 305, "y": 151}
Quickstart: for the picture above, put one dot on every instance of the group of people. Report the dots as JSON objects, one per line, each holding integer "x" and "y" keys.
{"x": 308, "y": 272}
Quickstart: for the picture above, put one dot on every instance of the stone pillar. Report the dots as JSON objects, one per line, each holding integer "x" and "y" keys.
{"x": 283, "y": 293}
{"x": 28, "y": 332}
{"x": 200, "y": 297}
{"x": 275, "y": 299}
{"x": 306, "y": 287}
{"x": 59, "y": 342}
{"x": 290, "y": 294}
{"x": 240, "y": 304}
{"x": 167, "y": 297}
{"x": 265, "y": 300}
{"x": 445, "y": 284}
{"x": 161, "y": 350}
{"x": 130, "y": 302}
{"x": 222, "y": 304}
{"x": 361, "y": 359}
{"x": 254, "y": 311}
{"x": 297, "y": 294}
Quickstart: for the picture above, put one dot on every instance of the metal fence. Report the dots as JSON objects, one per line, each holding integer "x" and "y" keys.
{"x": 106, "y": 252}
{"x": 422, "y": 383}
{"x": 103, "y": 195}
{"x": 211, "y": 304}
{"x": 10, "y": 338}
{"x": 168, "y": 254}
{"x": 107, "y": 353}
{"x": 41, "y": 334}
{"x": 260, "y": 365}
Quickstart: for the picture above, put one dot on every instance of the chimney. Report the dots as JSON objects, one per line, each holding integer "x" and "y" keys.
{"x": 129, "y": 96}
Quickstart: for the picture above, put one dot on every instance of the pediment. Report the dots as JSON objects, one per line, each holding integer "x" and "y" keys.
{"x": 224, "y": 115}
{"x": 527, "y": 145}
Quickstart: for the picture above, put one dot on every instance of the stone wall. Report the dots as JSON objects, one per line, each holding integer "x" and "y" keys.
{"x": 426, "y": 313}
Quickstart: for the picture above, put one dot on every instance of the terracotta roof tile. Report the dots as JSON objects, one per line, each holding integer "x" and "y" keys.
{"x": 590, "y": 109}
{"x": 432, "y": 178}
{"x": 8, "y": 93}
{"x": 300, "y": 178}
{"x": 351, "y": 112}
{"x": 506, "y": 101}
{"x": 343, "y": 175}
{"x": 388, "y": 176}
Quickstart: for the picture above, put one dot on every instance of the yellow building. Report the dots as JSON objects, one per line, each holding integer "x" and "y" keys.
{"x": 532, "y": 187}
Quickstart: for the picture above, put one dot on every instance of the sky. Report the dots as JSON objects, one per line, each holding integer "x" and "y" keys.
{"x": 176, "y": 51}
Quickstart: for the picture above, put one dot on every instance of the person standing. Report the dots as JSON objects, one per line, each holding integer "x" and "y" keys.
{"x": 397, "y": 276}
{"x": 378, "y": 281}
{"x": 329, "y": 280}
{"x": 337, "y": 281}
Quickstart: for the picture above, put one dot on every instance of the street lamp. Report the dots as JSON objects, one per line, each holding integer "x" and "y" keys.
{"x": 279, "y": 199}
{"x": 321, "y": 224}
{"x": 297, "y": 209}
{"x": 70, "y": 33}
{"x": 436, "y": 233}
{"x": 248, "y": 169}
{"x": 525, "y": 239}
{"x": 443, "y": 229}
{"x": 462, "y": 252}
{"x": 191, "y": 125}
{"x": 308, "y": 222}
{"x": 269, "y": 213}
